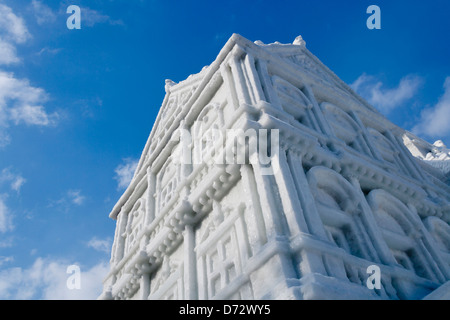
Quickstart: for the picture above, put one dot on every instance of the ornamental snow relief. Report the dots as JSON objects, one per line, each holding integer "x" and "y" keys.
{"x": 266, "y": 177}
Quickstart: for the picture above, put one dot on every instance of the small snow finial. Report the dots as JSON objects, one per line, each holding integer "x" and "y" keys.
{"x": 299, "y": 41}
{"x": 169, "y": 84}
{"x": 259, "y": 42}
{"x": 439, "y": 144}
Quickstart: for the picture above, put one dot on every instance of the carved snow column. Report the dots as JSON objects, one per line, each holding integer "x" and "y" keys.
{"x": 311, "y": 261}
{"x": 247, "y": 82}
{"x": 143, "y": 270}
{"x": 116, "y": 256}
{"x": 253, "y": 81}
{"x": 114, "y": 250}
{"x": 256, "y": 228}
{"x": 186, "y": 156}
{"x": 238, "y": 78}
{"x": 267, "y": 236}
{"x": 225, "y": 71}
{"x": 263, "y": 184}
{"x": 190, "y": 263}
{"x": 291, "y": 205}
{"x": 120, "y": 230}
{"x": 144, "y": 267}
{"x": 151, "y": 189}
{"x": 266, "y": 84}
{"x": 189, "y": 255}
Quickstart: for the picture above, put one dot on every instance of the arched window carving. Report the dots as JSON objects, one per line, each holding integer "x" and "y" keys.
{"x": 295, "y": 102}
{"x": 400, "y": 232}
{"x": 337, "y": 203}
{"x": 206, "y": 132}
{"x": 344, "y": 127}
{"x": 384, "y": 146}
{"x": 134, "y": 224}
{"x": 387, "y": 149}
{"x": 167, "y": 181}
{"x": 440, "y": 231}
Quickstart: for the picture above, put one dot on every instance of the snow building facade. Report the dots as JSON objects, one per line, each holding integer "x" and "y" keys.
{"x": 266, "y": 177}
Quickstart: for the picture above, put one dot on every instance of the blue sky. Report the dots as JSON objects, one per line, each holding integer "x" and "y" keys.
{"x": 76, "y": 106}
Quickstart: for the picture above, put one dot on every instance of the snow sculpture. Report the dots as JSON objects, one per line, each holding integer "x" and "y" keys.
{"x": 266, "y": 177}
{"x": 437, "y": 155}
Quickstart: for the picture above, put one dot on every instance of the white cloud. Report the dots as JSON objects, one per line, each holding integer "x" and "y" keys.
{"x": 4, "y": 137}
{"x": 100, "y": 245}
{"x": 90, "y": 17}
{"x": 75, "y": 197}
{"x": 6, "y": 218}
{"x": 4, "y": 260}
{"x": 49, "y": 51}
{"x": 19, "y": 90}
{"x": 15, "y": 180}
{"x": 47, "y": 279}
{"x": 17, "y": 183}
{"x": 20, "y": 102}
{"x": 386, "y": 99}
{"x": 8, "y": 53}
{"x": 435, "y": 121}
{"x": 67, "y": 202}
{"x": 12, "y": 31}
{"x": 12, "y": 27}
{"x": 43, "y": 13}
{"x": 7, "y": 242}
{"x": 125, "y": 172}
